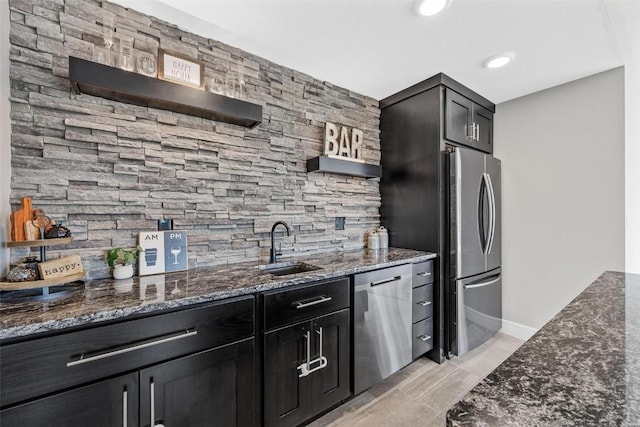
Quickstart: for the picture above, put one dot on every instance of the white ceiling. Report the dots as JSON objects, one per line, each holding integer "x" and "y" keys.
{"x": 379, "y": 47}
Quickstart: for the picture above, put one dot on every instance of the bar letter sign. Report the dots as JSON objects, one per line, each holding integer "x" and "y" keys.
{"x": 179, "y": 69}
{"x": 342, "y": 144}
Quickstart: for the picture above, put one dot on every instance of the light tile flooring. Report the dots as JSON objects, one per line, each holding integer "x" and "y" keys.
{"x": 421, "y": 393}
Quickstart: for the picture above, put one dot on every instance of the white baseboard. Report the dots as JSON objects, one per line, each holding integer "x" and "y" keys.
{"x": 517, "y": 330}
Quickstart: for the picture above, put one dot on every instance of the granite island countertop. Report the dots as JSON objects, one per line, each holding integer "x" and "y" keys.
{"x": 581, "y": 369}
{"x": 108, "y": 299}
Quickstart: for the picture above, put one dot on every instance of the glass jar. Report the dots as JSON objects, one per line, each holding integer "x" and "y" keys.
{"x": 125, "y": 58}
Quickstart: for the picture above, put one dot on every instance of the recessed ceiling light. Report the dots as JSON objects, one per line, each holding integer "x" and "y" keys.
{"x": 431, "y": 7}
{"x": 498, "y": 61}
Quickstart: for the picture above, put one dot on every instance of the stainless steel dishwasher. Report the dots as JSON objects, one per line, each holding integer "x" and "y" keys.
{"x": 382, "y": 324}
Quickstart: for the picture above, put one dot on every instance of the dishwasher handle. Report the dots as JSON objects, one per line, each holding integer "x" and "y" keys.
{"x": 382, "y": 282}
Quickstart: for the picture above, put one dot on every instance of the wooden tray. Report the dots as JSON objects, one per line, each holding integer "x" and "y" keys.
{"x": 34, "y": 284}
{"x": 41, "y": 242}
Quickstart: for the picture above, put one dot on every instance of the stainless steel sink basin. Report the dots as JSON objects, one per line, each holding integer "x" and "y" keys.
{"x": 287, "y": 268}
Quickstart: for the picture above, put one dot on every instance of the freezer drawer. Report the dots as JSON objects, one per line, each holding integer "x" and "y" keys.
{"x": 479, "y": 307}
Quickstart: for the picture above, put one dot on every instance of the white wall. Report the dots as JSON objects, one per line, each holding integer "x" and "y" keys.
{"x": 624, "y": 17}
{"x": 5, "y": 149}
{"x": 563, "y": 165}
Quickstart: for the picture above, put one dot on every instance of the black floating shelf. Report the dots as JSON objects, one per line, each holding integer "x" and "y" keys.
{"x": 113, "y": 83}
{"x": 343, "y": 167}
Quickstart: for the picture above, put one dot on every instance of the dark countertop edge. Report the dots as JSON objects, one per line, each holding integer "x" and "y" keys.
{"x": 18, "y": 332}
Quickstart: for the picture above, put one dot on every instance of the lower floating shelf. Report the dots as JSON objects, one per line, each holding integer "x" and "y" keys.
{"x": 343, "y": 167}
{"x": 36, "y": 284}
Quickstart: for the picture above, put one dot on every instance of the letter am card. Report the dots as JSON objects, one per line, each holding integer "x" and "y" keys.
{"x": 163, "y": 251}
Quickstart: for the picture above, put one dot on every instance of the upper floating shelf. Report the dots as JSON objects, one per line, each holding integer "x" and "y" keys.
{"x": 343, "y": 167}
{"x": 113, "y": 83}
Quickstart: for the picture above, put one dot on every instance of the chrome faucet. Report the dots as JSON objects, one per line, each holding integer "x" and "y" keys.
{"x": 274, "y": 253}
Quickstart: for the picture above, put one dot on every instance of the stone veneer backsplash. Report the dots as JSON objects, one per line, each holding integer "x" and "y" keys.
{"x": 109, "y": 170}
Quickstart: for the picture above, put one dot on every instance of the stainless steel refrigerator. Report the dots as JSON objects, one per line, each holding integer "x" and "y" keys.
{"x": 475, "y": 276}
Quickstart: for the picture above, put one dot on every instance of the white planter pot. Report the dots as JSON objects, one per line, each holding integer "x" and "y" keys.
{"x": 122, "y": 271}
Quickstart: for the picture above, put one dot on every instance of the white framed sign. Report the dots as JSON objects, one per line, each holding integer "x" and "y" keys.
{"x": 162, "y": 251}
{"x": 180, "y": 69}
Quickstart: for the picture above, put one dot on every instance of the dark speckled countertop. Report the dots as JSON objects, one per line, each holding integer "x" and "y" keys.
{"x": 581, "y": 369}
{"x": 103, "y": 300}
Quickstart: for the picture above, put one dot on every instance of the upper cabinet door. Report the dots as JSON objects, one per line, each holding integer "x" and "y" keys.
{"x": 458, "y": 118}
{"x": 483, "y": 120}
{"x": 467, "y": 123}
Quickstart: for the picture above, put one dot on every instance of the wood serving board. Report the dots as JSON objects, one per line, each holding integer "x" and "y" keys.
{"x": 34, "y": 284}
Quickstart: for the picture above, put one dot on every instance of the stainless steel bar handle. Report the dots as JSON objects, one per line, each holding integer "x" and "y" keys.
{"x": 492, "y": 214}
{"x": 298, "y": 304}
{"x": 112, "y": 353}
{"x": 477, "y": 131}
{"x": 481, "y": 284}
{"x": 424, "y": 303}
{"x": 485, "y": 247}
{"x": 124, "y": 407}
{"x": 424, "y": 274}
{"x": 466, "y": 131}
{"x": 152, "y": 393}
{"x": 382, "y": 282}
{"x": 424, "y": 338}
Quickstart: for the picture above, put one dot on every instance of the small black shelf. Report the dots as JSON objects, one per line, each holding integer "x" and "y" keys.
{"x": 113, "y": 83}
{"x": 343, "y": 167}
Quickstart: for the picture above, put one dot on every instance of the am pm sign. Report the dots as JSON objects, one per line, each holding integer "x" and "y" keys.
{"x": 162, "y": 251}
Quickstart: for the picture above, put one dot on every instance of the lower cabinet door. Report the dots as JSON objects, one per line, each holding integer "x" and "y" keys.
{"x": 287, "y": 396}
{"x": 212, "y": 388}
{"x": 106, "y": 403}
{"x": 331, "y": 383}
{"x": 293, "y": 395}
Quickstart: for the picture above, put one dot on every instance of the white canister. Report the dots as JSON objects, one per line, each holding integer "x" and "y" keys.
{"x": 373, "y": 242}
{"x": 383, "y": 236}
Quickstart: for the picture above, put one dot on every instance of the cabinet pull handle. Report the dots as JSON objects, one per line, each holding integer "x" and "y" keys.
{"x": 382, "y": 282}
{"x": 104, "y": 355}
{"x": 477, "y": 131}
{"x": 305, "y": 368}
{"x": 299, "y": 304}
{"x": 124, "y": 407}
{"x": 424, "y": 303}
{"x": 466, "y": 132}
{"x": 424, "y": 338}
{"x": 424, "y": 274}
{"x": 152, "y": 392}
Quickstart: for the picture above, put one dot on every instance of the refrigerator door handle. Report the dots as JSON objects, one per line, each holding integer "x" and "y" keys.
{"x": 492, "y": 213}
{"x": 484, "y": 234}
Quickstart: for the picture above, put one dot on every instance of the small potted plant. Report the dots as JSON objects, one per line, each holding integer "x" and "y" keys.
{"x": 120, "y": 260}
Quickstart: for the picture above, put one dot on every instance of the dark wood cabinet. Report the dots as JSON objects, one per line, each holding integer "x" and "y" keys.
{"x": 192, "y": 367}
{"x": 467, "y": 123}
{"x": 212, "y": 388}
{"x": 307, "y": 363}
{"x": 416, "y": 127}
{"x": 107, "y": 403}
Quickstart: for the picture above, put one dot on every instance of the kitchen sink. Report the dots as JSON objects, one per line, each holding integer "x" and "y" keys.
{"x": 287, "y": 268}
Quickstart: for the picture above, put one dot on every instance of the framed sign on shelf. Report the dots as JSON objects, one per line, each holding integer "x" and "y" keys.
{"x": 178, "y": 68}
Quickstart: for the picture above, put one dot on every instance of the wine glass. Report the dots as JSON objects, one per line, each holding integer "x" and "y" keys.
{"x": 175, "y": 252}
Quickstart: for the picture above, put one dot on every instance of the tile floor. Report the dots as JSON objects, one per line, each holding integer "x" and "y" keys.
{"x": 421, "y": 393}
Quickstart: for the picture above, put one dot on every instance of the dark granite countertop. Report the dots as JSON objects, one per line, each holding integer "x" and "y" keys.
{"x": 581, "y": 369}
{"x": 103, "y": 300}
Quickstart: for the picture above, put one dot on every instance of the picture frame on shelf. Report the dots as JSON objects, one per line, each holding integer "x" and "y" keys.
{"x": 178, "y": 68}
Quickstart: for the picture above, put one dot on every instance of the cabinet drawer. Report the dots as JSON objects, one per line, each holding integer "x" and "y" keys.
{"x": 422, "y": 273}
{"x": 422, "y": 302}
{"x": 422, "y": 337}
{"x": 43, "y": 365}
{"x": 286, "y": 306}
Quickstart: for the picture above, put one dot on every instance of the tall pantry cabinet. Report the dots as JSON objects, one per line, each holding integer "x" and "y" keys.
{"x": 417, "y": 124}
